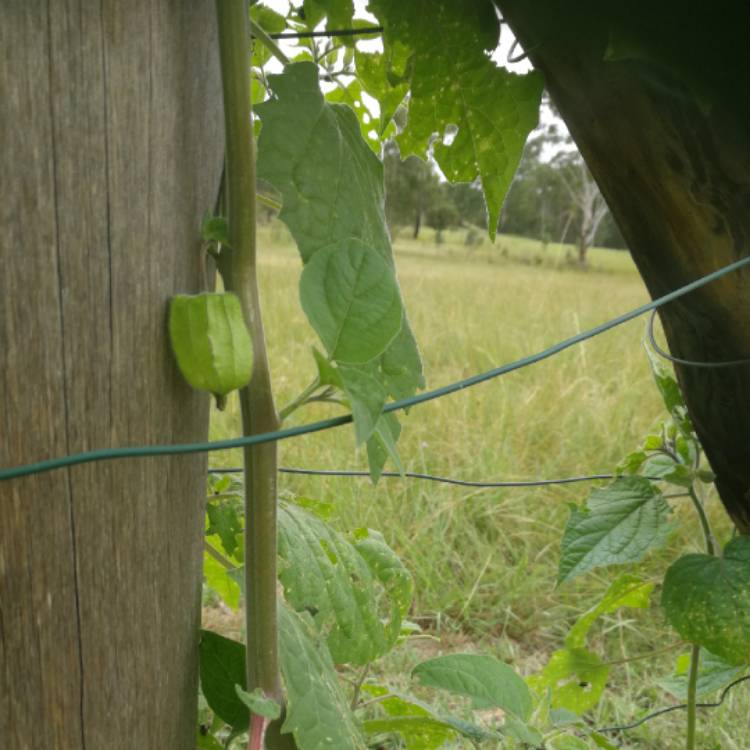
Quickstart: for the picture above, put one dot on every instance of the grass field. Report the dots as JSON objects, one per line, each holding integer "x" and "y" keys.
{"x": 484, "y": 562}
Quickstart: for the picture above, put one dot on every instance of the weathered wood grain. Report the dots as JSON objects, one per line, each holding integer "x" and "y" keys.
{"x": 676, "y": 174}
{"x": 111, "y": 142}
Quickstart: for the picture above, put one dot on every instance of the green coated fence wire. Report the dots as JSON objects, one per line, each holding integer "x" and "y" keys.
{"x": 327, "y": 424}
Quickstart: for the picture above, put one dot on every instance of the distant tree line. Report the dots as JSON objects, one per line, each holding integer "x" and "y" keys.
{"x": 553, "y": 197}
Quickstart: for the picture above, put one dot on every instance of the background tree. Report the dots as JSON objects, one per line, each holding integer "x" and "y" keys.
{"x": 410, "y": 187}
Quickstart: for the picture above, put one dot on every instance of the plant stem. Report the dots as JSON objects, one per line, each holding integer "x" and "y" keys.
{"x": 358, "y": 686}
{"x": 691, "y": 694}
{"x": 300, "y": 400}
{"x": 260, "y": 34}
{"x": 705, "y": 526}
{"x": 256, "y": 401}
{"x": 225, "y": 562}
{"x": 695, "y": 652}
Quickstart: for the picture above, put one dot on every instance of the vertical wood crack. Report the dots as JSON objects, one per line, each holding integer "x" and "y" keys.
{"x": 66, "y": 416}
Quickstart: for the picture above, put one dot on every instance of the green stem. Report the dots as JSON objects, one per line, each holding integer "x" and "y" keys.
{"x": 256, "y": 401}
{"x": 262, "y": 36}
{"x": 705, "y": 526}
{"x": 691, "y": 696}
{"x": 301, "y": 400}
{"x": 225, "y": 562}
{"x": 695, "y": 652}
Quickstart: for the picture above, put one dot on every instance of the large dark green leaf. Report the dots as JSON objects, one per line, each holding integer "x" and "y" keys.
{"x": 222, "y": 666}
{"x": 317, "y": 711}
{"x": 620, "y": 524}
{"x": 707, "y": 600}
{"x": 455, "y": 83}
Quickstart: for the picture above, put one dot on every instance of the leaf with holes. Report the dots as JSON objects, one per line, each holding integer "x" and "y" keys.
{"x": 625, "y": 591}
{"x": 707, "y": 600}
{"x": 575, "y": 679}
{"x": 351, "y": 95}
{"x": 357, "y": 591}
{"x": 620, "y": 524}
{"x": 455, "y": 83}
{"x": 484, "y": 679}
{"x": 383, "y": 76}
{"x": 317, "y": 711}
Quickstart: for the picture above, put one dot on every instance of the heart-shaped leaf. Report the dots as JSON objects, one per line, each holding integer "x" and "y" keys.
{"x": 707, "y": 600}
{"x": 621, "y": 522}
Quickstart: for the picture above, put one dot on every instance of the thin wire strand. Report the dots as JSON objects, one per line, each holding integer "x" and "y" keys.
{"x": 686, "y": 362}
{"x": 327, "y": 424}
{"x": 679, "y": 707}
{"x": 324, "y": 33}
{"x": 431, "y": 477}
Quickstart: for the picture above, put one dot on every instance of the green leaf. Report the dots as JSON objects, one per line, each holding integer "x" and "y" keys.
{"x": 351, "y": 297}
{"x": 222, "y": 666}
{"x": 658, "y": 465}
{"x": 215, "y": 229}
{"x": 366, "y": 396}
{"x": 518, "y": 730}
{"x": 631, "y": 463}
{"x": 601, "y": 741}
{"x": 713, "y": 674}
{"x": 338, "y": 581}
{"x": 382, "y": 445}
{"x": 373, "y": 71}
{"x": 210, "y": 341}
{"x": 567, "y": 742}
{"x": 665, "y": 382}
{"x": 626, "y": 591}
{"x": 327, "y": 373}
{"x": 421, "y": 725}
{"x": 312, "y": 152}
{"x": 259, "y": 703}
{"x": 224, "y": 521}
{"x": 561, "y": 717}
{"x": 317, "y": 711}
{"x": 220, "y": 581}
{"x": 575, "y": 678}
{"x": 389, "y": 571}
{"x": 455, "y": 83}
{"x": 339, "y": 13}
{"x": 620, "y": 524}
{"x": 331, "y": 185}
{"x": 484, "y": 679}
{"x": 707, "y": 600}
{"x": 208, "y": 742}
{"x": 272, "y": 23}
{"x": 351, "y": 95}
